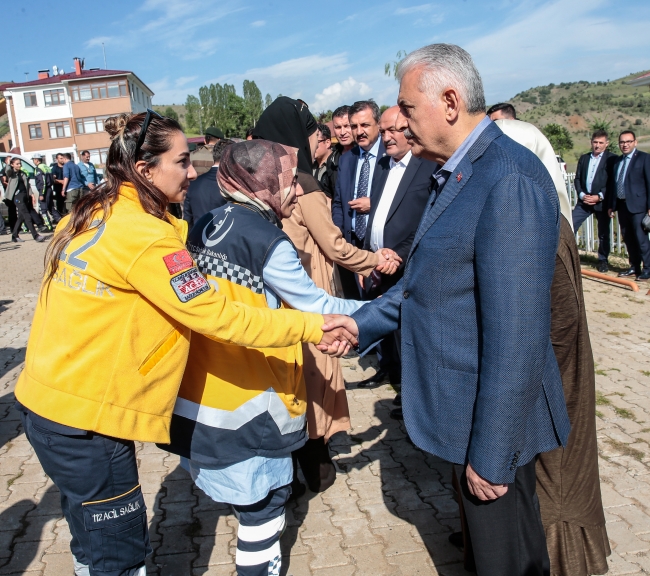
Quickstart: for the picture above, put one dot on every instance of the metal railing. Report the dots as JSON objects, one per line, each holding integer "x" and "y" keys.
{"x": 587, "y": 235}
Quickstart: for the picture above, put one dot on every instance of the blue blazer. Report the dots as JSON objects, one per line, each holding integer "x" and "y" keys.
{"x": 344, "y": 189}
{"x": 480, "y": 382}
{"x": 636, "y": 183}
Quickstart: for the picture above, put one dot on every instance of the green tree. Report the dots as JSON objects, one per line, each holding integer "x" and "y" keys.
{"x": 267, "y": 101}
{"x": 253, "y": 103}
{"x": 171, "y": 113}
{"x": 559, "y": 137}
{"x": 390, "y": 68}
{"x": 192, "y": 106}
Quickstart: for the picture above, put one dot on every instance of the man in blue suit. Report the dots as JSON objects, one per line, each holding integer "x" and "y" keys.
{"x": 480, "y": 383}
{"x": 355, "y": 182}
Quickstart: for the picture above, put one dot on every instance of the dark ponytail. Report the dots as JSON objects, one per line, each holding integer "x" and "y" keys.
{"x": 124, "y": 131}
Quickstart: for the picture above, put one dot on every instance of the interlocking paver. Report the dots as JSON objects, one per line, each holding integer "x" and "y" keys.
{"x": 391, "y": 508}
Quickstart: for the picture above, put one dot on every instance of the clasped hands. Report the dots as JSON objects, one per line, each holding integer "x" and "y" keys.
{"x": 340, "y": 333}
{"x": 389, "y": 261}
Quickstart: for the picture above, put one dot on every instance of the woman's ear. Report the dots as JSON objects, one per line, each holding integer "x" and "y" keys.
{"x": 143, "y": 169}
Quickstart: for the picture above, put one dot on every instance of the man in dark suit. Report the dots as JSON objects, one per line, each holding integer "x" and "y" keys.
{"x": 203, "y": 194}
{"x": 480, "y": 383}
{"x": 630, "y": 197}
{"x": 352, "y": 193}
{"x": 401, "y": 192}
{"x": 591, "y": 185}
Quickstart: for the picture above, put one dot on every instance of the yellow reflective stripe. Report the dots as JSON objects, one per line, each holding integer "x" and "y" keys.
{"x": 109, "y": 499}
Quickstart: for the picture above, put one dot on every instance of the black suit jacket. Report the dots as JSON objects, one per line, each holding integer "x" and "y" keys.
{"x": 637, "y": 183}
{"x": 344, "y": 189}
{"x": 405, "y": 210}
{"x": 202, "y": 196}
{"x": 601, "y": 177}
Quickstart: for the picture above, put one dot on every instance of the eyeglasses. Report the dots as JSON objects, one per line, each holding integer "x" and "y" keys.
{"x": 621, "y": 142}
{"x": 143, "y": 131}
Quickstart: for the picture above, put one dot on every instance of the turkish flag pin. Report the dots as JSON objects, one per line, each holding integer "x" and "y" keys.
{"x": 459, "y": 177}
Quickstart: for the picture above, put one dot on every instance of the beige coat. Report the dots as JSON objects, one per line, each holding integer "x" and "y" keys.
{"x": 320, "y": 243}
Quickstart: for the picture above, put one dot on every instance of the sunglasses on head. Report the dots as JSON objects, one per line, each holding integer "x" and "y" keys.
{"x": 143, "y": 131}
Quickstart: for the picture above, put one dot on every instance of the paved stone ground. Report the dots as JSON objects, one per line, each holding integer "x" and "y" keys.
{"x": 391, "y": 509}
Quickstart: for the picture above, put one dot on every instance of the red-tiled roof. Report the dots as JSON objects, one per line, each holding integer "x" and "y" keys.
{"x": 68, "y": 76}
{"x": 643, "y": 76}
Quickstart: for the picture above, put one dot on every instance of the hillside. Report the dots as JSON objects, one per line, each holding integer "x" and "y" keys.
{"x": 576, "y": 105}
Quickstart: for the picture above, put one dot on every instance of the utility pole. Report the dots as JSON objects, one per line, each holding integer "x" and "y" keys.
{"x": 104, "y": 51}
{"x": 26, "y": 76}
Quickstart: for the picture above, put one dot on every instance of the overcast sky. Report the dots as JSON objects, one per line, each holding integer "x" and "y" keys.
{"x": 327, "y": 53}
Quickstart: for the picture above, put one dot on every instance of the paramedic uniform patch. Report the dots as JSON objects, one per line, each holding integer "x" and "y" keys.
{"x": 178, "y": 261}
{"x": 189, "y": 284}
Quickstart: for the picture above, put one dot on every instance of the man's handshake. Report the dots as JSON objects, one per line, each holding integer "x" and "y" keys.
{"x": 389, "y": 261}
{"x": 340, "y": 334}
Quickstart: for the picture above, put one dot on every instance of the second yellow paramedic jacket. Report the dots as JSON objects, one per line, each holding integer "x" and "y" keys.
{"x": 111, "y": 332}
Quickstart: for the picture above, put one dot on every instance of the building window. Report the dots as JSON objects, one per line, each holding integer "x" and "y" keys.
{"x": 35, "y": 131}
{"x": 54, "y": 97}
{"x": 99, "y": 91}
{"x": 90, "y": 125}
{"x": 59, "y": 129}
{"x": 30, "y": 99}
{"x": 98, "y": 156}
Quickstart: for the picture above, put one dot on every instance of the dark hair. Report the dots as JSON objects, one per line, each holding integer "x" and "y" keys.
{"x": 627, "y": 132}
{"x": 67, "y": 155}
{"x": 209, "y": 138}
{"x": 124, "y": 131}
{"x": 341, "y": 111}
{"x": 324, "y": 129}
{"x": 600, "y": 134}
{"x": 58, "y": 154}
{"x": 84, "y": 152}
{"x": 219, "y": 147}
{"x": 249, "y": 132}
{"x": 365, "y": 105}
{"x": 507, "y": 109}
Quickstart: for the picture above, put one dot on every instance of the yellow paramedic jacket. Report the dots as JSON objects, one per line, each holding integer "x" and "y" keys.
{"x": 111, "y": 332}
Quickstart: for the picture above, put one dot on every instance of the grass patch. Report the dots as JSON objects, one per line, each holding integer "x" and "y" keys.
{"x": 600, "y": 414}
{"x": 613, "y": 333}
{"x": 12, "y": 480}
{"x": 621, "y": 394}
{"x": 645, "y": 372}
{"x": 618, "y": 315}
{"x": 601, "y": 372}
{"x": 616, "y": 370}
{"x": 645, "y": 430}
{"x": 602, "y": 400}
{"x": 628, "y": 333}
{"x": 603, "y": 311}
{"x": 624, "y": 413}
{"x": 625, "y": 449}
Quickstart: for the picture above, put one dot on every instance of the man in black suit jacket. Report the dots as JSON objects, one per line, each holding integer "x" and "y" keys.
{"x": 357, "y": 170}
{"x": 630, "y": 197}
{"x": 203, "y": 194}
{"x": 591, "y": 185}
{"x": 400, "y": 193}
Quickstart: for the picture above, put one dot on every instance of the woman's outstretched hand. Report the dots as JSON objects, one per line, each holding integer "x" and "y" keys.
{"x": 340, "y": 334}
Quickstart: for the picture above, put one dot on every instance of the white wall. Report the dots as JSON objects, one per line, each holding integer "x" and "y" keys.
{"x": 39, "y": 113}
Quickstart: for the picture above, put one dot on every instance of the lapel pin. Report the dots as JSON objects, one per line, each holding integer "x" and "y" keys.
{"x": 459, "y": 177}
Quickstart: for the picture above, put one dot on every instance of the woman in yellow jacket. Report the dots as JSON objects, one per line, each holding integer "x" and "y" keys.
{"x": 110, "y": 339}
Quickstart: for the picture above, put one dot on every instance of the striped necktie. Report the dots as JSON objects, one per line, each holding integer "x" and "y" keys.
{"x": 361, "y": 220}
{"x": 620, "y": 181}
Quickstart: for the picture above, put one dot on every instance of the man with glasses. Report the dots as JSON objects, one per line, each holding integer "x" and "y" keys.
{"x": 630, "y": 197}
{"x": 324, "y": 172}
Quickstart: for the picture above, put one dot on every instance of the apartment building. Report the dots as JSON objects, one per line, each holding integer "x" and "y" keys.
{"x": 66, "y": 112}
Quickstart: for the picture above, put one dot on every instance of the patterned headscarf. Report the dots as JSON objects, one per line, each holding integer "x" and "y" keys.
{"x": 258, "y": 172}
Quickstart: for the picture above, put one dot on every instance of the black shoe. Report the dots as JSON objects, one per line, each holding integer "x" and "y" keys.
{"x": 602, "y": 266}
{"x": 456, "y": 538}
{"x": 645, "y": 276}
{"x": 397, "y": 401}
{"x": 629, "y": 272}
{"x": 298, "y": 489}
{"x": 381, "y": 377}
{"x": 40, "y": 238}
{"x": 16, "y": 239}
{"x": 396, "y": 414}
{"x": 43, "y": 229}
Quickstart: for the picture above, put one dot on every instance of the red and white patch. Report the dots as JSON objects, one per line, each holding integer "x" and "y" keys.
{"x": 189, "y": 284}
{"x": 178, "y": 261}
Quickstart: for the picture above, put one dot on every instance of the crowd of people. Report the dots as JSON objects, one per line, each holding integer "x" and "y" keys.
{"x": 434, "y": 233}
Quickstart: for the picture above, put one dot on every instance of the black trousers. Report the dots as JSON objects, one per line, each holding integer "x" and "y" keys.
{"x": 581, "y": 212}
{"x": 48, "y": 209}
{"x": 100, "y": 496}
{"x": 636, "y": 240}
{"x": 13, "y": 213}
{"x": 24, "y": 215}
{"x": 506, "y": 534}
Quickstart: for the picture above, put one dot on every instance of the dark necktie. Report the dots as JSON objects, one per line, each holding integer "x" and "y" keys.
{"x": 362, "y": 192}
{"x": 620, "y": 181}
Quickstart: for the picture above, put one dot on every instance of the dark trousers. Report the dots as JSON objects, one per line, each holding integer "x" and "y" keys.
{"x": 506, "y": 535}
{"x": 100, "y": 497}
{"x": 48, "y": 209}
{"x": 13, "y": 213}
{"x": 581, "y": 212}
{"x": 24, "y": 215}
{"x": 349, "y": 283}
{"x": 636, "y": 240}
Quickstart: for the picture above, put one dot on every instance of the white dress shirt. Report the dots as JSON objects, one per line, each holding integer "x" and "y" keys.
{"x": 372, "y": 160}
{"x": 397, "y": 170}
{"x": 594, "y": 162}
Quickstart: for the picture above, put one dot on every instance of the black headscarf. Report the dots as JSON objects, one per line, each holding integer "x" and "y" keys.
{"x": 289, "y": 122}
